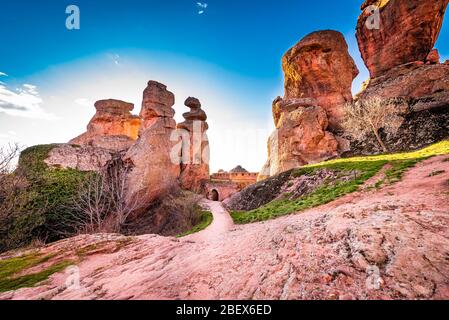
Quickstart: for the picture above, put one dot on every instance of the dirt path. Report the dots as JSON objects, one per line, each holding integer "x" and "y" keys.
{"x": 221, "y": 224}
{"x": 391, "y": 243}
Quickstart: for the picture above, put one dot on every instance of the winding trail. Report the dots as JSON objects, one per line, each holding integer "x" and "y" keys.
{"x": 400, "y": 233}
{"x": 221, "y": 224}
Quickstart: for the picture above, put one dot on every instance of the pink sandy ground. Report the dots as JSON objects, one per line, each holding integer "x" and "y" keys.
{"x": 391, "y": 243}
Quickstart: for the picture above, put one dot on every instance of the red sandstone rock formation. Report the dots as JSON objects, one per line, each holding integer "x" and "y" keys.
{"x": 408, "y": 31}
{"x": 195, "y": 147}
{"x": 157, "y": 104}
{"x": 301, "y": 138}
{"x": 113, "y": 127}
{"x": 154, "y": 171}
{"x": 424, "y": 87}
{"x": 319, "y": 67}
{"x": 433, "y": 57}
{"x": 318, "y": 78}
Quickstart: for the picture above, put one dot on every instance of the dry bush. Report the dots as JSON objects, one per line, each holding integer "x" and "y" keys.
{"x": 7, "y": 156}
{"x": 370, "y": 116}
{"x": 173, "y": 214}
{"x": 101, "y": 204}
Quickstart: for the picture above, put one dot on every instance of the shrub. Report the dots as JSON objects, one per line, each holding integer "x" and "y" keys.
{"x": 370, "y": 116}
{"x": 37, "y": 200}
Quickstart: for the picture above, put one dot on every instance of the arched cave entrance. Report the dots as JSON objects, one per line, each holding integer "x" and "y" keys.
{"x": 214, "y": 196}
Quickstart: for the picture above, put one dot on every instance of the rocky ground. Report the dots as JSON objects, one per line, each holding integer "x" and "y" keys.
{"x": 391, "y": 243}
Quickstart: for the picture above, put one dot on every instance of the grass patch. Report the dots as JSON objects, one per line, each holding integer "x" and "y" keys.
{"x": 13, "y": 266}
{"x": 206, "y": 219}
{"x": 363, "y": 168}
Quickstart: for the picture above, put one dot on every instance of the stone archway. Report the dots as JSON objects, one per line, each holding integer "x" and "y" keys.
{"x": 214, "y": 195}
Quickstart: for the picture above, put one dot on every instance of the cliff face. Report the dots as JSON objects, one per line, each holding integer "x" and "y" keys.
{"x": 319, "y": 67}
{"x": 153, "y": 171}
{"x": 312, "y": 105}
{"x": 407, "y": 30}
{"x": 404, "y": 65}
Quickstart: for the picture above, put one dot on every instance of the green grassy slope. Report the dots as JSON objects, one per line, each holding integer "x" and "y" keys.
{"x": 367, "y": 167}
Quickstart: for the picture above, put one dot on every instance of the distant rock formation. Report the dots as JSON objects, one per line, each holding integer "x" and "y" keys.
{"x": 113, "y": 127}
{"x": 195, "y": 148}
{"x": 153, "y": 172}
{"x": 408, "y": 32}
{"x": 318, "y": 77}
{"x": 157, "y": 106}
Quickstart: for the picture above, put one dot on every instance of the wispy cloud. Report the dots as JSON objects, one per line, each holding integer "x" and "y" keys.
{"x": 2, "y": 74}
{"x": 85, "y": 102}
{"x": 23, "y": 102}
{"x": 201, "y": 7}
{"x": 10, "y": 135}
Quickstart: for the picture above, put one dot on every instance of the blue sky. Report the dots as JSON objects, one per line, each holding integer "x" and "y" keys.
{"x": 228, "y": 56}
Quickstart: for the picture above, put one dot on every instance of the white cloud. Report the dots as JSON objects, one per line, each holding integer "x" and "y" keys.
{"x": 2, "y": 74}
{"x": 23, "y": 102}
{"x": 85, "y": 102}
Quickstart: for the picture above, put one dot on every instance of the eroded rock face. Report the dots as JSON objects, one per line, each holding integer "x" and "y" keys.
{"x": 433, "y": 57}
{"x": 157, "y": 104}
{"x": 319, "y": 67}
{"x": 318, "y": 78}
{"x": 424, "y": 90}
{"x": 82, "y": 158}
{"x": 195, "y": 147}
{"x": 407, "y": 32}
{"x": 113, "y": 126}
{"x": 301, "y": 138}
{"x": 154, "y": 171}
{"x": 424, "y": 86}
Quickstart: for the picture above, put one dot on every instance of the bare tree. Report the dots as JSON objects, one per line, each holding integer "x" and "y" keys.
{"x": 91, "y": 205}
{"x": 7, "y": 155}
{"x": 101, "y": 204}
{"x": 370, "y": 116}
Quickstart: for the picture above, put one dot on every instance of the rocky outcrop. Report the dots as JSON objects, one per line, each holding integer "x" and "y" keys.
{"x": 157, "y": 106}
{"x": 433, "y": 57}
{"x": 154, "y": 172}
{"x": 113, "y": 126}
{"x": 292, "y": 185}
{"x": 405, "y": 67}
{"x": 423, "y": 86}
{"x": 407, "y": 32}
{"x": 195, "y": 147}
{"x": 82, "y": 158}
{"x": 319, "y": 67}
{"x": 312, "y": 107}
{"x": 301, "y": 138}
